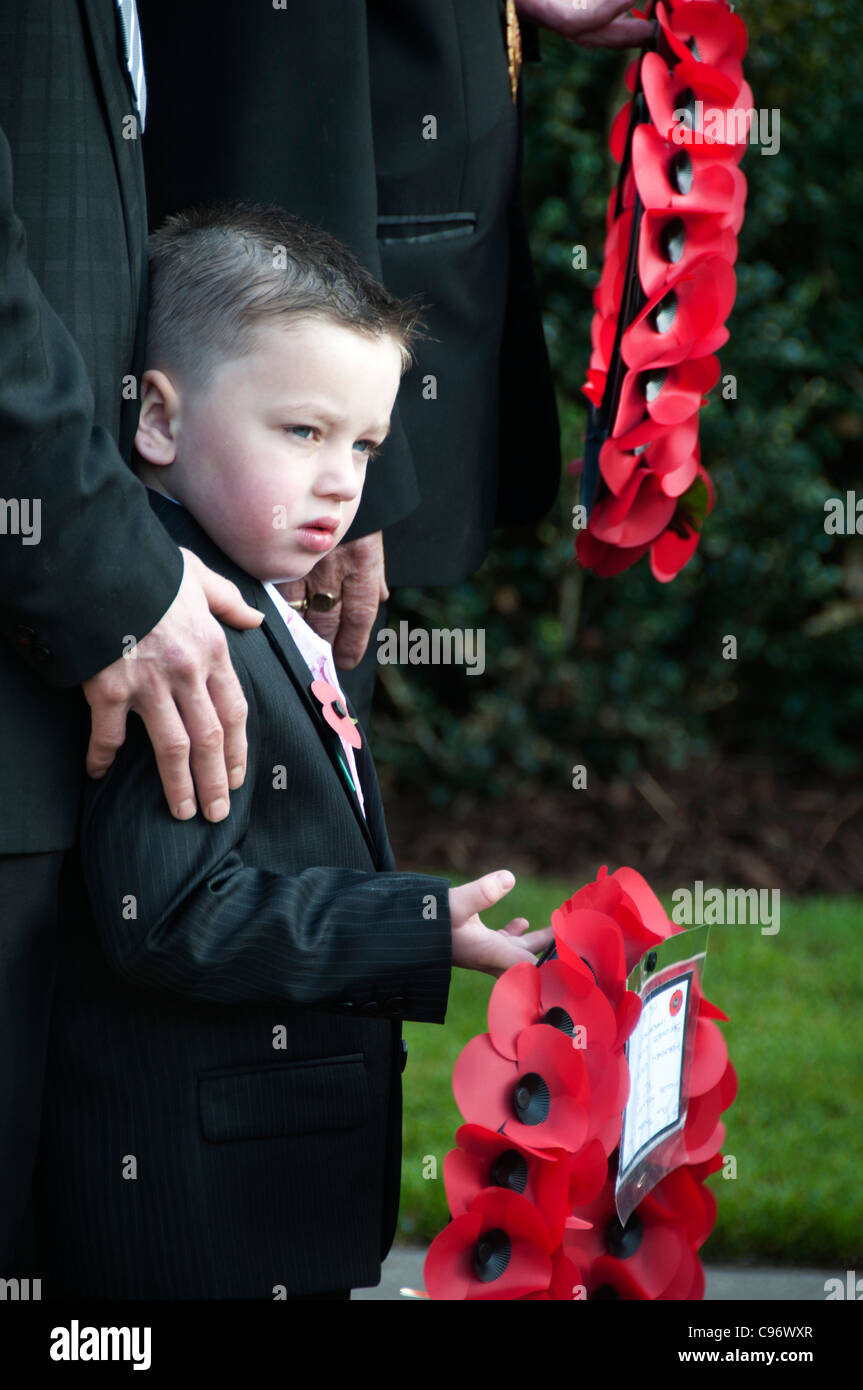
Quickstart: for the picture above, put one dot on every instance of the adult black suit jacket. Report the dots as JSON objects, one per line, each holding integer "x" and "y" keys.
{"x": 390, "y": 123}
{"x": 72, "y": 264}
{"x": 223, "y": 1099}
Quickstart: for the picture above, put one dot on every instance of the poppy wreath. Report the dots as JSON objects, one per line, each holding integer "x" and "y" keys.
{"x": 530, "y": 1184}
{"x": 666, "y": 289}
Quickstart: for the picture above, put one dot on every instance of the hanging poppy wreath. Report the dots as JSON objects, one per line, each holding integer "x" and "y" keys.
{"x": 666, "y": 289}
{"x": 531, "y": 1183}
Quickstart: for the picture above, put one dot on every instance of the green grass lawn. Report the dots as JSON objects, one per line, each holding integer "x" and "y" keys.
{"x": 796, "y": 1128}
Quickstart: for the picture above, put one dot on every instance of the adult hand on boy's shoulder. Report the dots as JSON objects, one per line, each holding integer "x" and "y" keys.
{"x": 476, "y": 946}
{"x": 180, "y": 680}
{"x": 354, "y": 573}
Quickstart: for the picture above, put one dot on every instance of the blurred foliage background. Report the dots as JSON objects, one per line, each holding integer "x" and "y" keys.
{"x": 626, "y": 673}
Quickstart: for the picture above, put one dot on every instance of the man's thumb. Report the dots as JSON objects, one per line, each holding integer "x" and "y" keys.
{"x": 224, "y": 599}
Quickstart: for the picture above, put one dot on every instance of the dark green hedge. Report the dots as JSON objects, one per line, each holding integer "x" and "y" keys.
{"x": 624, "y": 672}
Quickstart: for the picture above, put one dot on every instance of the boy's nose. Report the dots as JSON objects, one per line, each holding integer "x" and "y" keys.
{"x": 339, "y": 477}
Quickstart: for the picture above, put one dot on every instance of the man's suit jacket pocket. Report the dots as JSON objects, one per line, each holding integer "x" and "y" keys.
{"x": 413, "y": 228}
{"x": 318, "y": 1096}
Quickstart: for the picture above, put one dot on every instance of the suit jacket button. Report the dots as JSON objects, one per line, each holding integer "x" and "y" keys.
{"x": 42, "y": 654}
{"x": 395, "y": 1006}
{"x": 23, "y": 636}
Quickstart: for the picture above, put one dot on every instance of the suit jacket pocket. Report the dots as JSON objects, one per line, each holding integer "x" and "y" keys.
{"x": 425, "y": 227}
{"x": 325, "y": 1094}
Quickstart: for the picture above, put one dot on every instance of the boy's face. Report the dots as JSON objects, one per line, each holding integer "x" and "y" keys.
{"x": 270, "y": 456}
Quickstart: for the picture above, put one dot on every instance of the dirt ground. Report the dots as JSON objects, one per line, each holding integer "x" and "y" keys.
{"x": 741, "y": 825}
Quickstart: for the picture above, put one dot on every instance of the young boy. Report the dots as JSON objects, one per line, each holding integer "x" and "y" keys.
{"x": 223, "y": 1102}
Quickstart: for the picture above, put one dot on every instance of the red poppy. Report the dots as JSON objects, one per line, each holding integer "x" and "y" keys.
{"x": 682, "y": 1198}
{"x": 717, "y": 108}
{"x": 588, "y": 1173}
{"x": 703, "y": 1170}
{"x": 668, "y": 177}
{"x": 671, "y": 243}
{"x": 499, "y": 1249}
{"x": 486, "y": 1159}
{"x": 709, "y": 1057}
{"x": 606, "y": 296}
{"x": 676, "y": 546}
{"x": 605, "y": 560}
{"x": 684, "y": 318}
{"x": 542, "y": 1100}
{"x": 564, "y": 996}
{"x": 705, "y": 31}
{"x": 335, "y": 712}
{"x": 565, "y": 1283}
{"x": 671, "y": 453}
{"x": 650, "y": 910}
{"x": 610, "y": 895}
{"x": 667, "y": 395}
{"x": 704, "y": 1132}
{"x": 637, "y": 516}
{"x": 641, "y": 1260}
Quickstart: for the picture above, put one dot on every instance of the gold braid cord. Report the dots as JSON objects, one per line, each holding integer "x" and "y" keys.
{"x": 513, "y": 47}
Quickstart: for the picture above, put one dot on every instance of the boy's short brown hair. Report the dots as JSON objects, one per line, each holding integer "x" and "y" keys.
{"x": 217, "y": 273}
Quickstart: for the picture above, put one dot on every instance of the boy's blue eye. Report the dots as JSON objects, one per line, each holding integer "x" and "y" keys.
{"x": 366, "y": 447}
{"x": 303, "y": 431}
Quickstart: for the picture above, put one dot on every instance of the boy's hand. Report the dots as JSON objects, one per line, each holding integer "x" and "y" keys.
{"x": 180, "y": 680}
{"x": 474, "y": 945}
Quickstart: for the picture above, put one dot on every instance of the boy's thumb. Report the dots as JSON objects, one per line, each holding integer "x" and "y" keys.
{"x": 489, "y": 889}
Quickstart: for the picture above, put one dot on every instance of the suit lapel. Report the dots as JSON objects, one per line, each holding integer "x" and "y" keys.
{"x": 186, "y": 532}
{"x": 286, "y": 649}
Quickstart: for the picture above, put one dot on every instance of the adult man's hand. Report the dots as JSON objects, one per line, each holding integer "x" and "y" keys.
{"x": 590, "y": 23}
{"x": 180, "y": 680}
{"x": 354, "y": 573}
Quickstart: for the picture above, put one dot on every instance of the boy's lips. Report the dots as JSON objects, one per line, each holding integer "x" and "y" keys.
{"x": 318, "y": 535}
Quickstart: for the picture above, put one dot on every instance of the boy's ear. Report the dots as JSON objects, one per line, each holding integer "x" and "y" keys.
{"x": 156, "y": 439}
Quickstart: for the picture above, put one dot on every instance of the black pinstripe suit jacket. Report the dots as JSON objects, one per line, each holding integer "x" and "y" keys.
{"x": 223, "y": 1101}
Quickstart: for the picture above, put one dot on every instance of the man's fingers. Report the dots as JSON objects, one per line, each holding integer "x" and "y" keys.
{"x": 621, "y": 33}
{"x": 224, "y": 599}
{"x": 171, "y": 745}
{"x": 358, "y": 612}
{"x": 231, "y": 709}
{"x": 206, "y": 737}
{"x": 292, "y": 591}
{"x": 107, "y": 733}
{"x": 384, "y": 592}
